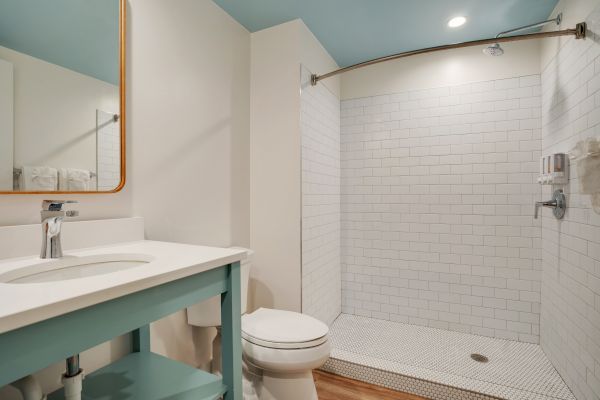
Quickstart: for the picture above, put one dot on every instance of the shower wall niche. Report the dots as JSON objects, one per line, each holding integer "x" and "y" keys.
{"x": 437, "y": 218}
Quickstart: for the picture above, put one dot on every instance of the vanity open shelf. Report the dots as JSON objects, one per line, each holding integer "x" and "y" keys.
{"x": 149, "y": 376}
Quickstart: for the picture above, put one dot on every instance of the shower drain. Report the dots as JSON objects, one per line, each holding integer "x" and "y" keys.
{"x": 479, "y": 358}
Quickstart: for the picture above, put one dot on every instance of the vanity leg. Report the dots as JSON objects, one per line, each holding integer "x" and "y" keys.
{"x": 141, "y": 339}
{"x": 231, "y": 339}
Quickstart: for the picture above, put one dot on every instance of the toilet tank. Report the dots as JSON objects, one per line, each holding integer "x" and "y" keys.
{"x": 208, "y": 313}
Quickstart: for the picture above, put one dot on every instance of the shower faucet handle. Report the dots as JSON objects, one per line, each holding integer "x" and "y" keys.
{"x": 558, "y": 205}
{"x": 538, "y": 204}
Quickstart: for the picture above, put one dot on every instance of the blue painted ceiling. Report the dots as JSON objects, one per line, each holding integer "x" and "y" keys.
{"x": 358, "y": 30}
{"x": 81, "y": 35}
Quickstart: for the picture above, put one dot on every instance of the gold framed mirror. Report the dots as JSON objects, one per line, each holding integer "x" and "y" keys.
{"x": 62, "y": 96}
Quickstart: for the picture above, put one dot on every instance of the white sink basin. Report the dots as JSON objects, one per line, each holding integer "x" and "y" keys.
{"x": 42, "y": 289}
{"x": 71, "y": 267}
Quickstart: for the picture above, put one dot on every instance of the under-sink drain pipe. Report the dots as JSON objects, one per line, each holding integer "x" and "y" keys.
{"x": 73, "y": 379}
{"x": 30, "y": 388}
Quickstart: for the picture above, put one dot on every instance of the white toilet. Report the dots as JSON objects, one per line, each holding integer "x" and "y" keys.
{"x": 280, "y": 348}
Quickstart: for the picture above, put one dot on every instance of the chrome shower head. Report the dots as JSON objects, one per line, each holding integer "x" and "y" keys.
{"x": 494, "y": 50}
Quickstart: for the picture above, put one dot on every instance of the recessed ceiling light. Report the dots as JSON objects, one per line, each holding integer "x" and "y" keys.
{"x": 456, "y": 22}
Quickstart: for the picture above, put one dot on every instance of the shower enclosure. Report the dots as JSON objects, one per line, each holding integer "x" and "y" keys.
{"x": 420, "y": 247}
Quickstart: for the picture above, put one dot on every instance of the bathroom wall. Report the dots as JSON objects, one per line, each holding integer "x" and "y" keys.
{"x": 570, "y": 315}
{"x": 275, "y": 159}
{"x": 47, "y": 95}
{"x": 190, "y": 132}
{"x": 437, "y": 194}
{"x": 321, "y": 249}
{"x": 190, "y": 163}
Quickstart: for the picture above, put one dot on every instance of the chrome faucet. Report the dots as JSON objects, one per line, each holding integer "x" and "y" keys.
{"x": 558, "y": 205}
{"x": 52, "y": 218}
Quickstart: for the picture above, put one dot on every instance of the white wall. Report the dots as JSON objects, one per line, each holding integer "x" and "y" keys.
{"x": 55, "y": 113}
{"x": 190, "y": 121}
{"x": 190, "y": 166}
{"x": 447, "y": 68}
{"x": 6, "y": 125}
{"x": 570, "y": 315}
{"x": 275, "y": 159}
{"x": 321, "y": 251}
{"x": 437, "y": 194}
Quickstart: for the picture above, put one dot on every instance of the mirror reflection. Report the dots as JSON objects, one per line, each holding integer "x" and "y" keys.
{"x": 59, "y": 95}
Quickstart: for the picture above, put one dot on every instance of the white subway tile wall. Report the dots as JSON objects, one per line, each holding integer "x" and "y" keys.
{"x": 570, "y": 317}
{"x": 321, "y": 248}
{"x": 108, "y": 148}
{"x": 438, "y": 188}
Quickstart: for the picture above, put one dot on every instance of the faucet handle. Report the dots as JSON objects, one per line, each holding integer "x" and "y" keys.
{"x": 56, "y": 205}
{"x": 558, "y": 204}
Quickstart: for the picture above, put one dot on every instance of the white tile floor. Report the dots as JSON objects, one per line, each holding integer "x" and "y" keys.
{"x": 515, "y": 370}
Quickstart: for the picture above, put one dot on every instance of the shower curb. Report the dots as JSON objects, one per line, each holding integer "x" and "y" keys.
{"x": 403, "y": 383}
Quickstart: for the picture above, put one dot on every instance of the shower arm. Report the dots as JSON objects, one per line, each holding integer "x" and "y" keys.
{"x": 556, "y": 20}
{"x": 579, "y": 32}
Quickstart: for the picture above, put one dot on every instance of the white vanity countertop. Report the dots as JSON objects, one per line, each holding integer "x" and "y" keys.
{"x": 27, "y": 303}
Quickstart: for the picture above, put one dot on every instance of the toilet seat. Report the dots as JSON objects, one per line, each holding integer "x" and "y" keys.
{"x": 277, "y": 329}
{"x": 284, "y": 346}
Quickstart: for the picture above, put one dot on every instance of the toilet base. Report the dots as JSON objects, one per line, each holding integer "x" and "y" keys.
{"x": 267, "y": 385}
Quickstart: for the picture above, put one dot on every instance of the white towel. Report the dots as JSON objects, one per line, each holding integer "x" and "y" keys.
{"x": 71, "y": 179}
{"x": 38, "y": 179}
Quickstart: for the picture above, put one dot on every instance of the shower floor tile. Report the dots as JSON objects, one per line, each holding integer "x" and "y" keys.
{"x": 394, "y": 355}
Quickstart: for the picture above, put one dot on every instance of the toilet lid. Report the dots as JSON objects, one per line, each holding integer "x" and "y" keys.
{"x": 283, "y": 329}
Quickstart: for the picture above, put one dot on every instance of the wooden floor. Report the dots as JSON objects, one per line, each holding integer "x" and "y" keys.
{"x": 333, "y": 387}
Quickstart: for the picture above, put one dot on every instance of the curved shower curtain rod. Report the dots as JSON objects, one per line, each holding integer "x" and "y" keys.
{"x": 579, "y": 32}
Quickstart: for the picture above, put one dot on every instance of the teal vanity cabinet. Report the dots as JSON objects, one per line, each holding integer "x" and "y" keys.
{"x": 141, "y": 375}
